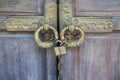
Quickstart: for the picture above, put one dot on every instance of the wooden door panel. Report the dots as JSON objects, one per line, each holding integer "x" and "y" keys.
{"x": 21, "y": 7}
{"x": 97, "y": 7}
{"x": 20, "y": 56}
{"x": 96, "y": 59}
{"x": 22, "y": 59}
{"x": 116, "y": 22}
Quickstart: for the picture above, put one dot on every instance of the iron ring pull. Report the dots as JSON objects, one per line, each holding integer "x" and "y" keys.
{"x": 45, "y": 44}
{"x": 48, "y": 44}
{"x": 45, "y": 25}
{"x": 73, "y": 43}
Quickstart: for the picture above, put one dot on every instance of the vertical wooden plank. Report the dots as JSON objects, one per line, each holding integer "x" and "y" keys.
{"x": 20, "y": 62}
{"x": 96, "y": 59}
{"x": 22, "y": 59}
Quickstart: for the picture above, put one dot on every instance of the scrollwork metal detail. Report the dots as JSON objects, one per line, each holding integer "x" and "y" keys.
{"x": 51, "y": 12}
{"x": 21, "y": 24}
{"x": 82, "y": 24}
{"x": 88, "y": 24}
{"x": 94, "y": 25}
{"x": 29, "y": 23}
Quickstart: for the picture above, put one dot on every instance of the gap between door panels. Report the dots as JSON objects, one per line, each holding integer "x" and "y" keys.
{"x": 58, "y": 29}
{"x": 58, "y": 32}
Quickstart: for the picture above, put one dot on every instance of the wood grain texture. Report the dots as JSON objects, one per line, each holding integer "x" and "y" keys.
{"x": 22, "y": 59}
{"x": 20, "y": 56}
{"x": 97, "y": 7}
{"x": 21, "y": 7}
{"x": 98, "y": 58}
{"x": 61, "y": 1}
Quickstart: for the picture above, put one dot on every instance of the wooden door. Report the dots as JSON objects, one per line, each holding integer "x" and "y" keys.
{"x": 20, "y": 56}
{"x": 98, "y": 58}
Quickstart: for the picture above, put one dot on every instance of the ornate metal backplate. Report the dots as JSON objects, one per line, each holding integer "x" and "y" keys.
{"x": 88, "y": 24}
{"x": 29, "y": 23}
{"x": 94, "y": 24}
{"x": 22, "y": 23}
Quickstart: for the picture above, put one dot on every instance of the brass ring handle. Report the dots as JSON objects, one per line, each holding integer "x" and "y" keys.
{"x": 73, "y": 43}
{"x": 44, "y": 44}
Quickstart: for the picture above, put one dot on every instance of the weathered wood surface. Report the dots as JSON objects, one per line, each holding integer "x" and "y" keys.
{"x": 97, "y": 7}
{"x": 21, "y": 7}
{"x": 20, "y": 56}
{"x": 22, "y": 59}
{"x": 98, "y": 58}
